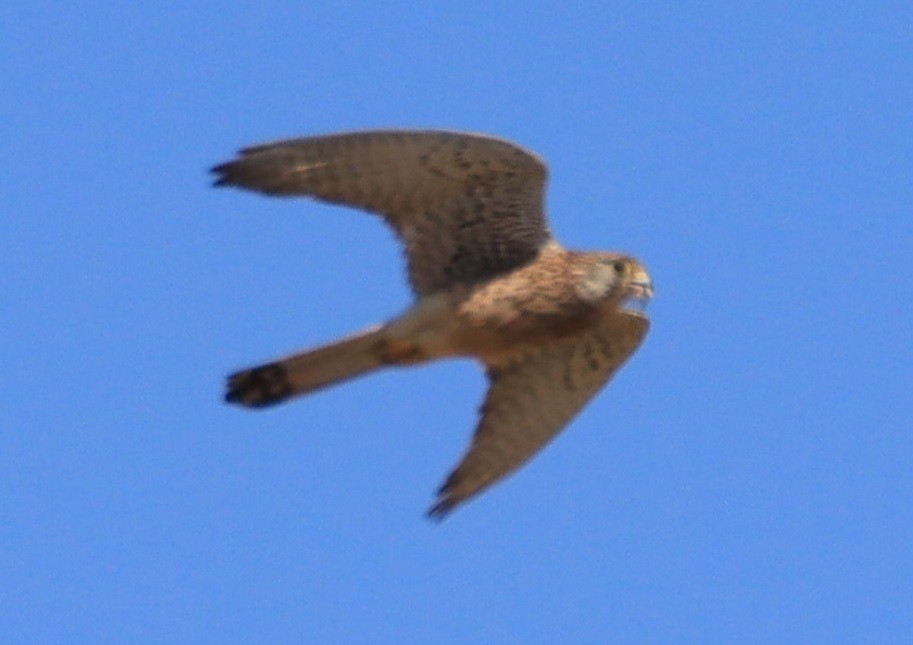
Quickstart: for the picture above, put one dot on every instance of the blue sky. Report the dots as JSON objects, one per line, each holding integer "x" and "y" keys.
{"x": 748, "y": 477}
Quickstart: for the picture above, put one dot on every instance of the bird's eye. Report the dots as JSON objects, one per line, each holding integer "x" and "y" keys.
{"x": 621, "y": 267}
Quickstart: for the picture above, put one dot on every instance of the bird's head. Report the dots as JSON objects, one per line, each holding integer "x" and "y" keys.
{"x": 617, "y": 278}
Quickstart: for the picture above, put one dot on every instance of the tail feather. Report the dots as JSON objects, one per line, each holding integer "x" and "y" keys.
{"x": 307, "y": 372}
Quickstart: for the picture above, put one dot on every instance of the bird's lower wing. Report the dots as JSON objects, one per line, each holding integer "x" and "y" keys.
{"x": 531, "y": 398}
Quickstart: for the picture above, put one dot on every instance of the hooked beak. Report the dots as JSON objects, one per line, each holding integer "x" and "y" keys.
{"x": 640, "y": 286}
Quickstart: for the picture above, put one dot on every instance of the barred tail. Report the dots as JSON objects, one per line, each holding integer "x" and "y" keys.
{"x": 307, "y": 372}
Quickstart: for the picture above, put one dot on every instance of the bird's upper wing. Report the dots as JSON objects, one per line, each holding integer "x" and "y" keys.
{"x": 466, "y": 206}
{"x": 531, "y": 398}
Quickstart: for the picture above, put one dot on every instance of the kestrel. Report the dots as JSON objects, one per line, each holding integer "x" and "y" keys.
{"x": 550, "y": 326}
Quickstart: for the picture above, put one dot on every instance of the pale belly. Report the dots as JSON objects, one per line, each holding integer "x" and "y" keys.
{"x": 490, "y": 329}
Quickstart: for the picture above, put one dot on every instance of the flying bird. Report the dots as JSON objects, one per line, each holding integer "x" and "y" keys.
{"x": 550, "y": 326}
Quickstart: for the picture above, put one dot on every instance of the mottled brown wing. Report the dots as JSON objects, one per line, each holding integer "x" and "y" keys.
{"x": 532, "y": 398}
{"x": 466, "y": 206}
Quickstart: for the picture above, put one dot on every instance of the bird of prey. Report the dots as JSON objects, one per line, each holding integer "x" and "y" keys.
{"x": 549, "y": 325}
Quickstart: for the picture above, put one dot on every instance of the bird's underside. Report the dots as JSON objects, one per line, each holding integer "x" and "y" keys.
{"x": 549, "y": 325}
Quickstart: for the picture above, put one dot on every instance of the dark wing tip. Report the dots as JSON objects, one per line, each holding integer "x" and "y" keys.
{"x": 226, "y": 174}
{"x": 447, "y": 500}
{"x": 441, "y": 509}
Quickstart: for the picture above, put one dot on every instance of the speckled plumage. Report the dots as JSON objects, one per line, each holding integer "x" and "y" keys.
{"x": 490, "y": 283}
